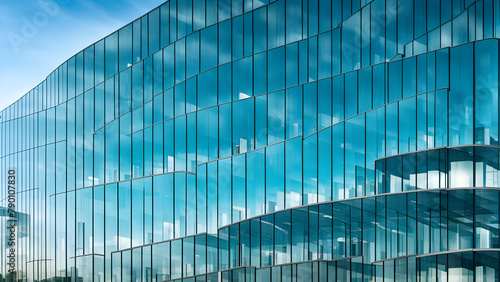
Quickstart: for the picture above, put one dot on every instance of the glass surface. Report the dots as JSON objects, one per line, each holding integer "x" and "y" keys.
{"x": 210, "y": 138}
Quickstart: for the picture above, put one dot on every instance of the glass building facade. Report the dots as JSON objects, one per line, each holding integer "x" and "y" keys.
{"x": 263, "y": 140}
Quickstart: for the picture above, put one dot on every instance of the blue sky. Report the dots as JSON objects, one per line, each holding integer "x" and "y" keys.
{"x": 36, "y": 36}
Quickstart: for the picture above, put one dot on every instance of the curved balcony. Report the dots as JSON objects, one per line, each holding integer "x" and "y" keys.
{"x": 447, "y": 167}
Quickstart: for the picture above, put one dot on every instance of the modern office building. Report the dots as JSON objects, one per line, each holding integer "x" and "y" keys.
{"x": 263, "y": 140}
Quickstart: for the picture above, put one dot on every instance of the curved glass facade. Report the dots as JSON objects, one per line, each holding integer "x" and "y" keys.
{"x": 263, "y": 140}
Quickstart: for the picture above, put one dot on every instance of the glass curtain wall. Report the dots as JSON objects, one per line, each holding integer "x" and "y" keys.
{"x": 263, "y": 140}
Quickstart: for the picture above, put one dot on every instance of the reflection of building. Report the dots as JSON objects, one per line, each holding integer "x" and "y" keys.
{"x": 21, "y": 226}
{"x": 265, "y": 140}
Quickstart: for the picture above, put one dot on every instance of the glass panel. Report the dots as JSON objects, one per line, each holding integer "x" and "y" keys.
{"x": 461, "y": 91}
{"x": 111, "y": 54}
{"x": 461, "y": 167}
